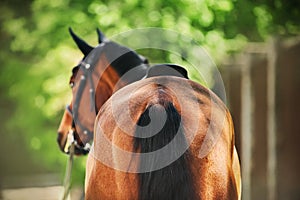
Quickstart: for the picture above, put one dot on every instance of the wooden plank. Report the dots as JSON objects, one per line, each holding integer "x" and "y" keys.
{"x": 259, "y": 130}
{"x": 246, "y": 127}
{"x": 271, "y": 122}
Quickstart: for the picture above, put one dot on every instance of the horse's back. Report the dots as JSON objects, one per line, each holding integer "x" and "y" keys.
{"x": 207, "y": 126}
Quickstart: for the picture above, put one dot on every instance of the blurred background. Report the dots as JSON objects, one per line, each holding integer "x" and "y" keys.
{"x": 255, "y": 44}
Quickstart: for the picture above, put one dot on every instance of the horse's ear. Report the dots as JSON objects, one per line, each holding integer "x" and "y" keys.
{"x": 101, "y": 36}
{"x": 82, "y": 45}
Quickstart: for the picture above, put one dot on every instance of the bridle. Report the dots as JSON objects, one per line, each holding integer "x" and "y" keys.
{"x": 72, "y": 145}
{"x": 87, "y": 67}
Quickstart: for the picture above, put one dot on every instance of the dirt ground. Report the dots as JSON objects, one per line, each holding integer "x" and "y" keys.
{"x": 41, "y": 193}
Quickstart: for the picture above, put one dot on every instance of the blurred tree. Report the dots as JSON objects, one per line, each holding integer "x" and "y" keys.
{"x": 37, "y": 53}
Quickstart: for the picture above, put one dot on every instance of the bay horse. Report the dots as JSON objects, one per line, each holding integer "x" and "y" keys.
{"x": 157, "y": 135}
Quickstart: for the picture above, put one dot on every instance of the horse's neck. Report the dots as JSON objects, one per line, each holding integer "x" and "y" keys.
{"x": 111, "y": 81}
{"x": 131, "y": 75}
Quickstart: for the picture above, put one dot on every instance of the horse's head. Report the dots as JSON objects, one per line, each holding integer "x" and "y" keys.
{"x": 93, "y": 81}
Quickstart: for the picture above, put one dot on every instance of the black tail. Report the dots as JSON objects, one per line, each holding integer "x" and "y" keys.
{"x": 172, "y": 182}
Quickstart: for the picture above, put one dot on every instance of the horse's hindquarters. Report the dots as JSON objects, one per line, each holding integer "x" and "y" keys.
{"x": 103, "y": 182}
{"x": 206, "y": 123}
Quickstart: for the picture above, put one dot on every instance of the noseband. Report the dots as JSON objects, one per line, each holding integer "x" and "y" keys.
{"x": 71, "y": 138}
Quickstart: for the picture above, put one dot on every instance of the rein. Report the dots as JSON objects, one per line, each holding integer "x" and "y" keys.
{"x": 67, "y": 180}
{"x": 70, "y": 146}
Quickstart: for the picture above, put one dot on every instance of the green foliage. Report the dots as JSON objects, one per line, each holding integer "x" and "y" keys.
{"x": 37, "y": 53}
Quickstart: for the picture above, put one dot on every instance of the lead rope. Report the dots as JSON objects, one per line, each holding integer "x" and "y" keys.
{"x": 67, "y": 180}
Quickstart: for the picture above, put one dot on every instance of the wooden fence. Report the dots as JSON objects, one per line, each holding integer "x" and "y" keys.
{"x": 263, "y": 94}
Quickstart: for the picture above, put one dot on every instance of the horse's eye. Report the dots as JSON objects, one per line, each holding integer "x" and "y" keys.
{"x": 71, "y": 84}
